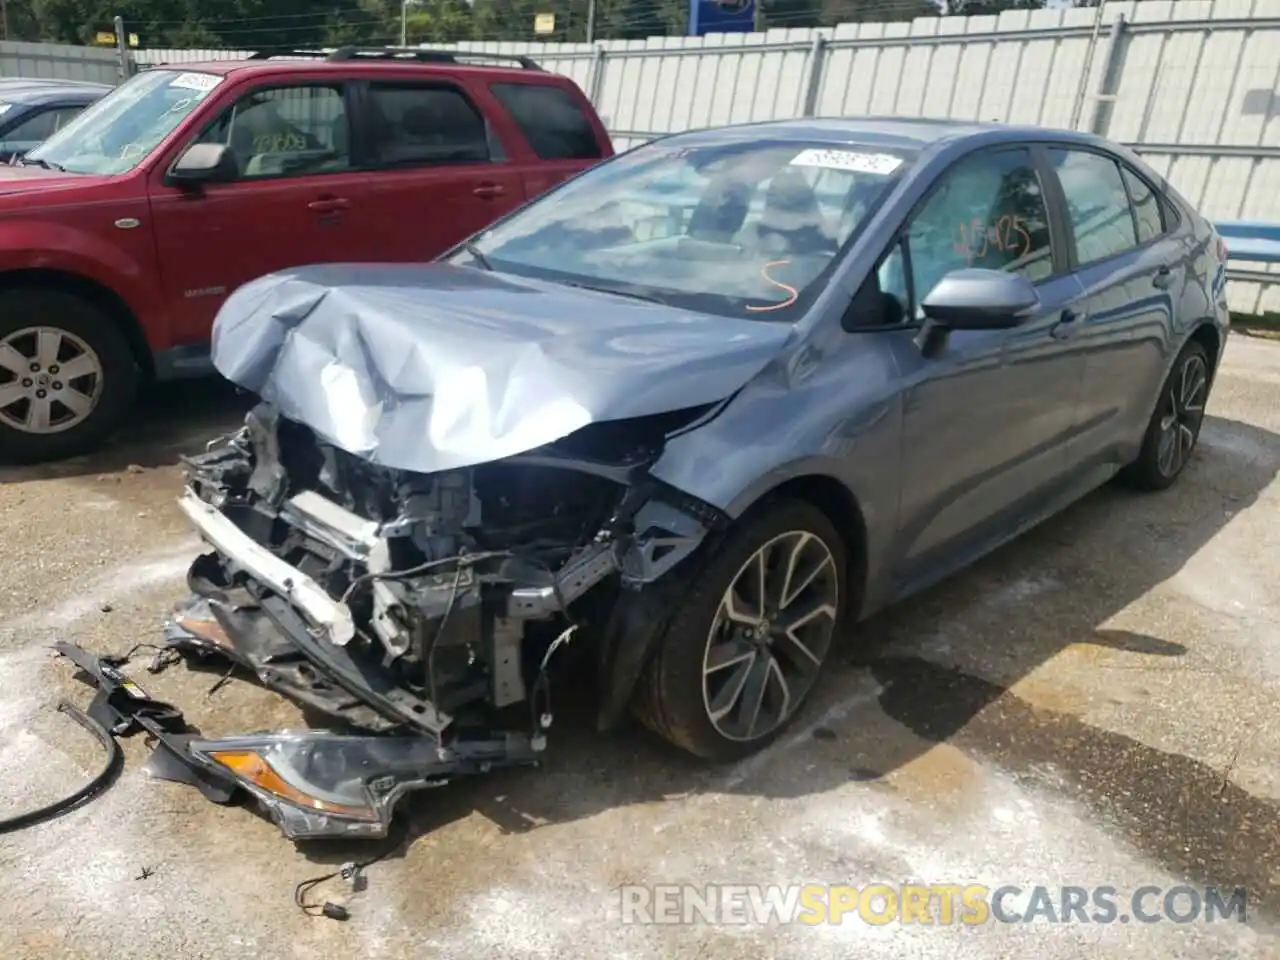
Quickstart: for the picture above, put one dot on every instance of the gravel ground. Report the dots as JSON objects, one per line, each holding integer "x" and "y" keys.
{"x": 1092, "y": 705}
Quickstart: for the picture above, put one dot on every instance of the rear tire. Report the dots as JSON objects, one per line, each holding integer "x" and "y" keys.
{"x": 708, "y": 648}
{"x": 67, "y": 375}
{"x": 1174, "y": 427}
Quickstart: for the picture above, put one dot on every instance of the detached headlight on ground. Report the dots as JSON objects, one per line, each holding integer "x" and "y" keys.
{"x": 321, "y": 784}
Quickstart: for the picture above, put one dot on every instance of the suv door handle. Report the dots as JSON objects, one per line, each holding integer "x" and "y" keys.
{"x": 1068, "y": 325}
{"x": 329, "y": 204}
{"x": 1163, "y": 278}
{"x": 489, "y": 190}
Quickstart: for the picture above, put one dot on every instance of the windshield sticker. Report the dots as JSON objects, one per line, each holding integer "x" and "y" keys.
{"x": 878, "y": 163}
{"x": 204, "y": 82}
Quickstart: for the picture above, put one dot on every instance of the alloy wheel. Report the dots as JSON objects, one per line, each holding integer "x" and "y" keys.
{"x": 50, "y": 380}
{"x": 1184, "y": 411}
{"x": 770, "y": 636}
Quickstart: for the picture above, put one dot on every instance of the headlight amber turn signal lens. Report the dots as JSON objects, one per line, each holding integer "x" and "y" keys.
{"x": 252, "y": 768}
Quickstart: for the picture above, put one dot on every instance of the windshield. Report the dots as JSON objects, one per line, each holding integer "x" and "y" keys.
{"x": 118, "y": 132}
{"x": 736, "y": 229}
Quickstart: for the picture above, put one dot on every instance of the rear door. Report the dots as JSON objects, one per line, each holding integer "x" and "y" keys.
{"x": 293, "y": 204}
{"x": 559, "y": 128}
{"x": 438, "y": 170}
{"x": 1132, "y": 270}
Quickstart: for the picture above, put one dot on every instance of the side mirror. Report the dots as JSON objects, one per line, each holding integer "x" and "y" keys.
{"x": 978, "y": 299}
{"x": 204, "y": 163}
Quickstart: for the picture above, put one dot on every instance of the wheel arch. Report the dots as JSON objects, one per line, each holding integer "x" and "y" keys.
{"x": 93, "y": 292}
{"x": 1209, "y": 336}
{"x": 639, "y": 617}
{"x": 839, "y": 504}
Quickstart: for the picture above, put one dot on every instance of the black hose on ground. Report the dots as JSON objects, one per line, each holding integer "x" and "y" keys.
{"x": 115, "y": 758}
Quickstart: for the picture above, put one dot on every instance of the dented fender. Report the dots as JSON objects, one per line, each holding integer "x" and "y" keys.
{"x": 671, "y": 529}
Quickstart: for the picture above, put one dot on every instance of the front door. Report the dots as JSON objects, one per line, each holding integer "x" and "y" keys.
{"x": 987, "y": 415}
{"x": 293, "y": 204}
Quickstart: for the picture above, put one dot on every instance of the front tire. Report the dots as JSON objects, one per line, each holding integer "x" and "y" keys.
{"x": 67, "y": 375}
{"x": 1174, "y": 427}
{"x": 741, "y": 653}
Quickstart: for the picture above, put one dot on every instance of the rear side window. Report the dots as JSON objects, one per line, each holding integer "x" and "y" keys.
{"x": 551, "y": 120}
{"x": 1097, "y": 204}
{"x": 413, "y": 125}
{"x": 1146, "y": 206}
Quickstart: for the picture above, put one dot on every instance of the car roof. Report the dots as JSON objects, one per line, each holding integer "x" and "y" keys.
{"x": 287, "y": 65}
{"x": 35, "y": 90}
{"x": 907, "y": 134}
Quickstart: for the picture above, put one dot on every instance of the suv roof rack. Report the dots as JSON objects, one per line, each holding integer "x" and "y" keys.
{"x": 419, "y": 54}
{"x": 268, "y": 54}
{"x": 426, "y": 55}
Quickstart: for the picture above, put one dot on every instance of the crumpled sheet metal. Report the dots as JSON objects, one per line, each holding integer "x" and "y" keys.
{"x": 434, "y": 367}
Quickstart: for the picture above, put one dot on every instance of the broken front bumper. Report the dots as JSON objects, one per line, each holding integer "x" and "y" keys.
{"x": 331, "y": 618}
{"x": 312, "y": 783}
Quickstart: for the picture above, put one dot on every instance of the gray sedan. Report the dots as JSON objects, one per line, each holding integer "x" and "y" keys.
{"x": 713, "y": 401}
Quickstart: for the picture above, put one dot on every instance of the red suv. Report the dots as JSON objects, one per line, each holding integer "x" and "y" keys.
{"x": 122, "y": 234}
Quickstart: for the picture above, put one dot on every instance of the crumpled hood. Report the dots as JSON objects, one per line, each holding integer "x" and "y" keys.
{"x": 434, "y": 367}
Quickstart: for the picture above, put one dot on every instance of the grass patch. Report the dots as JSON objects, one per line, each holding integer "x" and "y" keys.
{"x": 1266, "y": 325}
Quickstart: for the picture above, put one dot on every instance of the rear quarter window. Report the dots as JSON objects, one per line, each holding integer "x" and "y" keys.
{"x": 552, "y": 120}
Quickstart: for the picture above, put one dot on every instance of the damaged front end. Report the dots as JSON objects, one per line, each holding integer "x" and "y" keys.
{"x": 417, "y": 613}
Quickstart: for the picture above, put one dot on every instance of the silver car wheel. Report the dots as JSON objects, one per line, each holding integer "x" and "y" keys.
{"x": 770, "y": 636}
{"x": 50, "y": 380}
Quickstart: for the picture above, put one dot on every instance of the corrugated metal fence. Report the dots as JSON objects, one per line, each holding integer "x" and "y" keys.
{"x": 1193, "y": 84}
{"x": 56, "y": 61}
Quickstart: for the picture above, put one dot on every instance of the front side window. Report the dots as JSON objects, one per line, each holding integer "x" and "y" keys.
{"x": 414, "y": 125}
{"x": 987, "y": 211}
{"x": 118, "y": 132}
{"x": 732, "y": 228}
{"x": 285, "y": 131}
{"x": 1097, "y": 204}
{"x": 551, "y": 120}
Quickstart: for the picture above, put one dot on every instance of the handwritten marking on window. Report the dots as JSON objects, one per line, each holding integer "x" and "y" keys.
{"x": 792, "y": 293}
{"x": 279, "y": 143}
{"x": 977, "y": 238}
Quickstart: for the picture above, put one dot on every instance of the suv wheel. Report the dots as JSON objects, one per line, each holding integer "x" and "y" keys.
{"x": 742, "y": 652}
{"x": 1175, "y": 425}
{"x": 66, "y": 375}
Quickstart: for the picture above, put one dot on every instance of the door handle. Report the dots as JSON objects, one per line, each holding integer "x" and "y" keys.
{"x": 1068, "y": 325}
{"x": 489, "y": 190}
{"x": 1163, "y": 277}
{"x": 329, "y": 204}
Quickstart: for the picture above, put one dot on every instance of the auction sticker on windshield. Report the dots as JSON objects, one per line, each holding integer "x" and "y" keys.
{"x": 204, "y": 82}
{"x": 856, "y": 161}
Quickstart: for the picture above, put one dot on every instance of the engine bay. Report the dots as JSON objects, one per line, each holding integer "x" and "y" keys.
{"x": 441, "y": 589}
